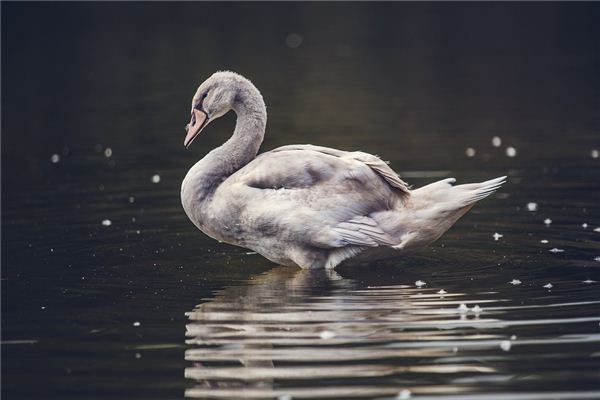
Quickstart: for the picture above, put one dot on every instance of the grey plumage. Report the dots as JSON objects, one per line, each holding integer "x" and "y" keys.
{"x": 305, "y": 205}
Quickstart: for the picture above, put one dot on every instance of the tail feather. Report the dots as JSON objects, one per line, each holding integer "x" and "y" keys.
{"x": 472, "y": 192}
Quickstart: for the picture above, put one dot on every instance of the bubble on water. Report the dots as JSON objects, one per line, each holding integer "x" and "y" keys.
{"x": 595, "y": 153}
{"x": 420, "y": 283}
{"x": 505, "y": 345}
{"x": 545, "y": 241}
{"x": 463, "y": 308}
{"x": 441, "y": 291}
{"x": 107, "y": 152}
{"x": 584, "y": 225}
{"x": 55, "y": 158}
{"x": 548, "y": 286}
{"x": 497, "y": 236}
{"x": 155, "y": 178}
{"x": 556, "y": 250}
{"x": 511, "y": 151}
{"x": 547, "y": 221}
{"x": 404, "y": 394}
{"x": 515, "y": 282}
{"x": 476, "y": 309}
{"x": 136, "y": 323}
{"x": 588, "y": 280}
{"x": 106, "y": 222}
{"x": 470, "y": 152}
{"x": 293, "y": 40}
{"x": 327, "y": 335}
{"x": 532, "y": 206}
{"x": 496, "y": 141}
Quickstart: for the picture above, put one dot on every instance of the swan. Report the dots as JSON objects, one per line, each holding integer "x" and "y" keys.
{"x": 303, "y": 205}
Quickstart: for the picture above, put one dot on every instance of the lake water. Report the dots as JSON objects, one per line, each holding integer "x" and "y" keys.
{"x": 109, "y": 292}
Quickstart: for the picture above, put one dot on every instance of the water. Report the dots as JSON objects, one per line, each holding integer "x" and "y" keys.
{"x": 145, "y": 306}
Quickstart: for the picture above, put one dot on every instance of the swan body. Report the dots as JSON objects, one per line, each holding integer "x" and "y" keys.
{"x": 305, "y": 205}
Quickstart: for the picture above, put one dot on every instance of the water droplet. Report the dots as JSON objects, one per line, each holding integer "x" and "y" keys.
{"x": 544, "y": 241}
{"x": 505, "y": 345}
{"x": 594, "y": 153}
{"x": 155, "y": 178}
{"x": 55, "y": 158}
{"x": 548, "y": 286}
{"x": 106, "y": 222}
{"x": 511, "y": 151}
{"x": 515, "y": 282}
{"x": 136, "y": 323}
{"x": 463, "y": 308}
{"x": 138, "y": 355}
{"x": 420, "y": 283}
{"x": 132, "y": 199}
{"x": 497, "y": 236}
{"x": 470, "y": 152}
{"x": 107, "y": 152}
{"x": 531, "y": 206}
{"x": 293, "y": 40}
{"x": 476, "y": 309}
{"x": 441, "y": 291}
{"x": 547, "y": 221}
{"x": 496, "y": 141}
{"x": 584, "y": 225}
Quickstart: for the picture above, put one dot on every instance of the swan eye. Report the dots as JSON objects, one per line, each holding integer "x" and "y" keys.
{"x": 200, "y": 104}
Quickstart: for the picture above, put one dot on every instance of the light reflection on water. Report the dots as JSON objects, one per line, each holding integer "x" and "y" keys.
{"x": 316, "y": 334}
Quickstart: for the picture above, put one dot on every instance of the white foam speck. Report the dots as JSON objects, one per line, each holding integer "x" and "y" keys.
{"x": 515, "y": 282}
{"x": 327, "y": 335}
{"x": 284, "y": 397}
{"x": 588, "y": 280}
{"x": 155, "y": 178}
{"x": 463, "y": 308}
{"x": 597, "y": 258}
{"x": 55, "y": 158}
{"x": 132, "y": 199}
{"x": 556, "y": 250}
{"x": 505, "y": 345}
{"x": 476, "y": 309}
{"x": 470, "y": 152}
{"x": 136, "y": 323}
{"x": 497, "y": 236}
{"x": 106, "y": 222}
{"x": 511, "y": 151}
{"x": 107, "y": 152}
{"x": 597, "y": 229}
{"x": 548, "y": 286}
{"x": 544, "y": 241}
{"x": 547, "y": 221}
{"x": 584, "y": 225}
{"x": 513, "y": 337}
{"x": 531, "y": 206}
{"x": 496, "y": 141}
{"x": 420, "y": 283}
{"x": 441, "y": 291}
{"x": 594, "y": 153}
{"x": 404, "y": 394}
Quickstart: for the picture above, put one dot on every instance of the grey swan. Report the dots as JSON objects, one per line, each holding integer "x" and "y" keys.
{"x": 304, "y": 205}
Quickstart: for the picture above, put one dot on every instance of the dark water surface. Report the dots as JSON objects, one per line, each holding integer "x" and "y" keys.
{"x": 148, "y": 307}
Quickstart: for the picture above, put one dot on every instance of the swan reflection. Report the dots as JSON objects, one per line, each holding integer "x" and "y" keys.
{"x": 314, "y": 334}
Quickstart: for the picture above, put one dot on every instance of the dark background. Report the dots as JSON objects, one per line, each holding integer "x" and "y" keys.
{"x": 416, "y": 83}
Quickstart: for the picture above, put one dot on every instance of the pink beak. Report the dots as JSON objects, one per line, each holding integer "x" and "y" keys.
{"x": 197, "y": 123}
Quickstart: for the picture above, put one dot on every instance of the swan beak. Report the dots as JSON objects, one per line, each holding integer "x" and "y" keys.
{"x": 197, "y": 123}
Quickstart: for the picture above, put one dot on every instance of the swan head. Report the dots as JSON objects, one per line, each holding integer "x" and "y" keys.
{"x": 214, "y": 98}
